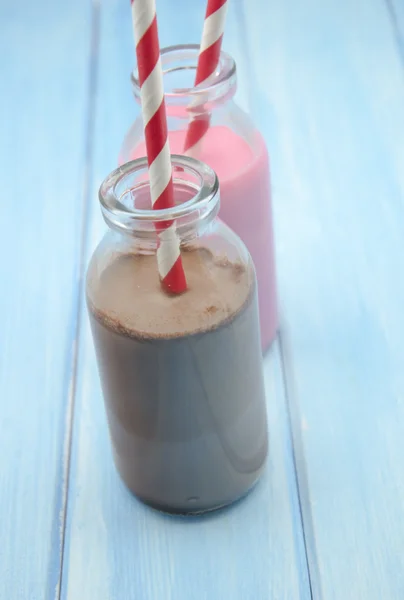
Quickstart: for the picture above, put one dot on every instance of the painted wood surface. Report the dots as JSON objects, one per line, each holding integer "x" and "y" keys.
{"x": 44, "y": 50}
{"x": 332, "y": 73}
{"x": 325, "y": 82}
{"x": 115, "y": 547}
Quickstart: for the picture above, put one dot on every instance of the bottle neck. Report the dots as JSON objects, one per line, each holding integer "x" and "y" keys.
{"x": 126, "y": 203}
{"x": 179, "y": 65}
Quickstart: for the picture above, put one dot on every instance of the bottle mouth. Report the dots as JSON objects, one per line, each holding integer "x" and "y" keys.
{"x": 126, "y": 203}
{"x": 179, "y": 65}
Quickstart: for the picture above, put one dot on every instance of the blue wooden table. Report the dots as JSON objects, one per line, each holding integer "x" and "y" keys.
{"x": 325, "y": 82}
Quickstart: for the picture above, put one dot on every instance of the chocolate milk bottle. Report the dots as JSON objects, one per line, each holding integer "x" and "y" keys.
{"x": 181, "y": 375}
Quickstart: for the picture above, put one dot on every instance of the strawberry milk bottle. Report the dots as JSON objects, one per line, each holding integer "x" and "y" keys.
{"x": 233, "y": 147}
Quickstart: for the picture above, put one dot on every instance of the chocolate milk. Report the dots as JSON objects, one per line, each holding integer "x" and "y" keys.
{"x": 182, "y": 379}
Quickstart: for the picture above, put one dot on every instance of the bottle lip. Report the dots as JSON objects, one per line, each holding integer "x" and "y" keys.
{"x": 117, "y": 190}
{"x": 185, "y": 57}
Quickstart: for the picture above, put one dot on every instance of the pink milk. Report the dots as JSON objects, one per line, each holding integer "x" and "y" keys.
{"x": 245, "y": 205}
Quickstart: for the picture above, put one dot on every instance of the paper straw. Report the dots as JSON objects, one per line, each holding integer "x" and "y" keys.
{"x": 208, "y": 60}
{"x": 157, "y": 147}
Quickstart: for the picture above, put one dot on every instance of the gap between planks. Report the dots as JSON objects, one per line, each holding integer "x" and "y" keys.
{"x": 72, "y": 366}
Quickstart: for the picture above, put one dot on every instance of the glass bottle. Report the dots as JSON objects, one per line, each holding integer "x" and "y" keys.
{"x": 233, "y": 147}
{"x": 181, "y": 375}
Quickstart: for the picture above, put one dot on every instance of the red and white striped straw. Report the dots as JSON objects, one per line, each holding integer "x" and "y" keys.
{"x": 209, "y": 54}
{"x": 158, "y": 151}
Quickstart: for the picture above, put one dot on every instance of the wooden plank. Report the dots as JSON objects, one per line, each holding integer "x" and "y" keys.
{"x": 43, "y": 105}
{"x": 117, "y": 548}
{"x": 332, "y": 75}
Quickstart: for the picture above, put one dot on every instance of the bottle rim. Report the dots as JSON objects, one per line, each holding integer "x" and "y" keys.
{"x": 118, "y": 191}
{"x": 184, "y": 57}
